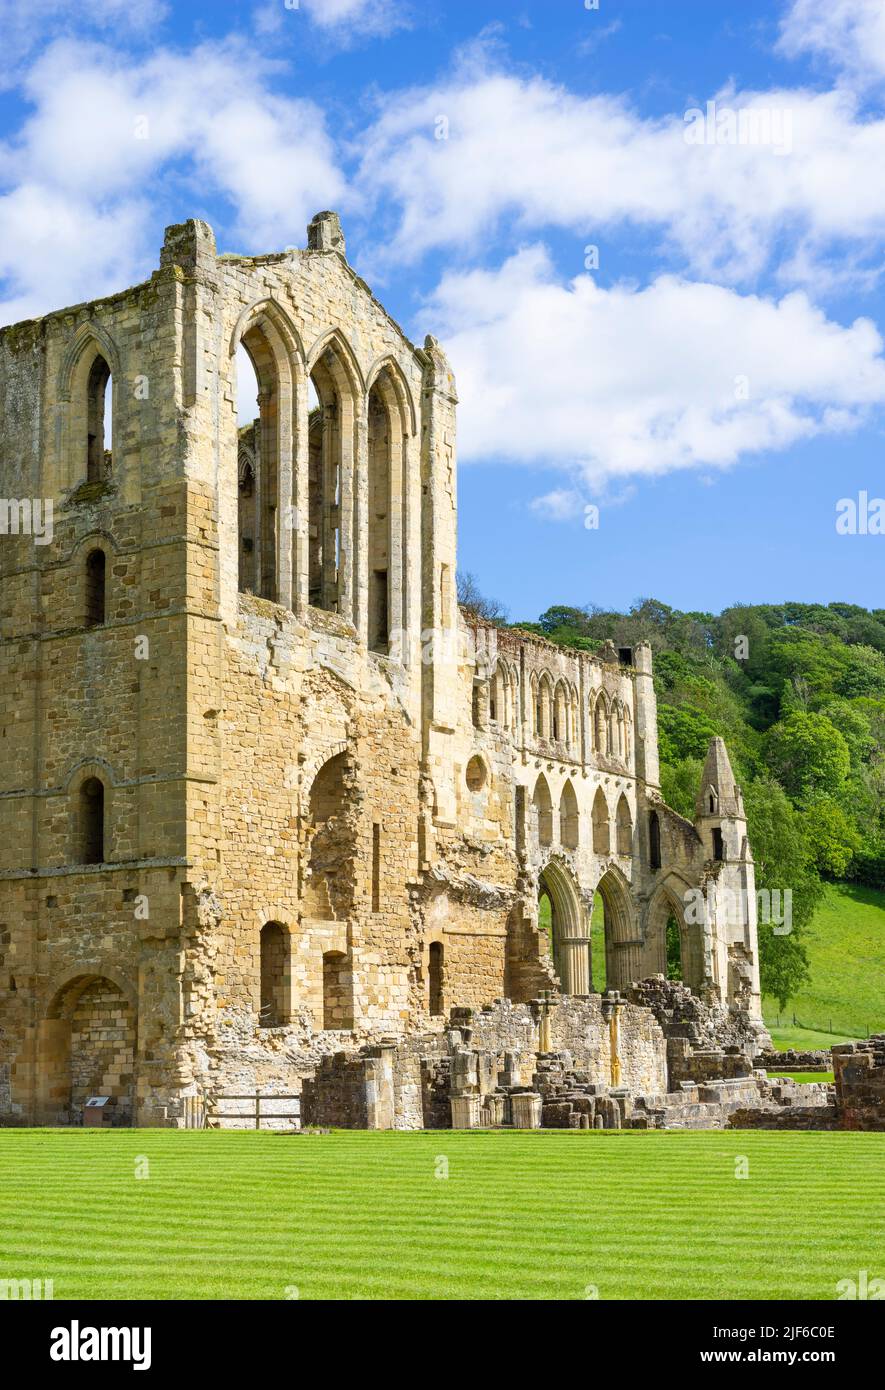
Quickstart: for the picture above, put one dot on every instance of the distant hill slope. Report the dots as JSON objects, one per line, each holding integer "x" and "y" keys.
{"x": 846, "y": 950}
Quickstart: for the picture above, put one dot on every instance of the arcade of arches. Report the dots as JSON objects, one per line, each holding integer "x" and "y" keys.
{"x": 602, "y": 950}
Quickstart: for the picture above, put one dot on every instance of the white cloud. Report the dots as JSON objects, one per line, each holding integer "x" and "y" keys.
{"x": 559, "y": 504}
{"x": 486, "y": 148}
{"x": 367, "y": 16}
{"x": 850, "y": 34}
{"x": 28, "y": 24}
{"x": 622, "y": 382}
{"x": 339, "y": 20}
{"x": 103, "y": 128}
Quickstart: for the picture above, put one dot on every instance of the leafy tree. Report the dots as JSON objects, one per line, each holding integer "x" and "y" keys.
{"x": 808, "y": 755}
{"x": 831, "y": 836}
{"x": 679, "y": 784}
{"x": 784, "y": 860}
{"x": 683, "y": 733}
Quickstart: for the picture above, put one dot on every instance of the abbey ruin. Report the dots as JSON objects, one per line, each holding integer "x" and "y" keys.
{"x": 275, "y": 812}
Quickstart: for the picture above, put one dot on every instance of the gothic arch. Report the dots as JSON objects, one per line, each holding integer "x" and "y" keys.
{"x": 333, "y": 339}
{"x": 545, "y": 705}
{"x": 569, "y": 927}
{"x": 569, "y": 820}
{"x": 543, "y": 804}
{"x": 601, "y": 824}
{"x": 269, "y": 339}
{"x": 91, "y": 360}
{"x": 88, "y": 335}
{"x": 560, "y": 707}
{"x": 600, "y": 725}
{"x": 274, "y": 313}
{"x": 666, "y": 906}
{"x": 622, "y": 944}
{"x": 388, "y": 365}
{"x": 623, "y": 827}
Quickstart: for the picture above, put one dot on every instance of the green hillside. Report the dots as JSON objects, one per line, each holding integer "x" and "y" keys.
{"x": 845, "y": 941}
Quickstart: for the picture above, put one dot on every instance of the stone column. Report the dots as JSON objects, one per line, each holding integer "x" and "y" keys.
{"x": 575, "y": 958}
{"x": 300, "y": 518}
{"x": 525, "y": 1108}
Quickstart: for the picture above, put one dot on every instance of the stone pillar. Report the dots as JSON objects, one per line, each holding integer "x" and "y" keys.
{"x": 300, "y": 518}
{"x": 575, "y": 958}
{"x": 378, "y": 1086}
{"x": 465, "y": 1112}
{"x": 360, "y": 547}
{"x": 525, "y": 1108}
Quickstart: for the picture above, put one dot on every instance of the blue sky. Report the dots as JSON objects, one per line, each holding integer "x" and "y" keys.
{"x": 669, "y": 311}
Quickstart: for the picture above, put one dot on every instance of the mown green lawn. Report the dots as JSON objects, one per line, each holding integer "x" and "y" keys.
{"x": 546, "y": 1214}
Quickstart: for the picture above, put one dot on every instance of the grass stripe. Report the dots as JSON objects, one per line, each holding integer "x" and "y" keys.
{"x": 239, "y": 1214}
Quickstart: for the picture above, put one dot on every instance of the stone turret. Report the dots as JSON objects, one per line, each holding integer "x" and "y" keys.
{"x": 719, "y": 794}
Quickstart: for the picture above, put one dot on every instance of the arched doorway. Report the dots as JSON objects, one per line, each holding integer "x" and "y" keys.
{"x": 87, "y": 1047}
{"x": 674, "y": 947}
{"x": 622, "y": 945}
{"x": 560, "y": 906}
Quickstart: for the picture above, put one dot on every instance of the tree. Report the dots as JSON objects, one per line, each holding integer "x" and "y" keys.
{"x": 831, "y": 836}
{"x": 808, "y": 755}
{"x": 680, "y": 782}
{"x": 471, "y": 598}
{"x": 784, "y": 860}
{"x": 683, "y": 733}
{"x": 783, "y": 964}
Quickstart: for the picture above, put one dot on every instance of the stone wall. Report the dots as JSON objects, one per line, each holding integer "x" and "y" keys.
{"x": 859, "y": 1070}
{"x": 292, "y": 725}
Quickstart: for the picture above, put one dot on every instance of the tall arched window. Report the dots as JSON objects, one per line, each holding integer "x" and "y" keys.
{"x": 91, "y": 822}
{"x": 99, "y": 421}
{"x": 624, "y": 827}
{"x": 274, "y": 975}
{"x": 96, "y": 567}
{"x": 560, "y": 714}
{"x": 379, "y": 522}
{"x": 568, "y": 818}
{"x": 545, "y": 695}
{"x": 601, "y": 726}
{"x": 258, "y": 509}
{"x": 601, "y": 831}
{"x": 544, "y": 806}
{"x": 654, "y": 840}
{"x": 328, "y": 799}
{"x": 435, "y": 978}
{"x": 332, "y": 500}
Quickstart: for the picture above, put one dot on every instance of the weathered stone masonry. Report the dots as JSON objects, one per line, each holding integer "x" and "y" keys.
{"x": 266, "y": 795}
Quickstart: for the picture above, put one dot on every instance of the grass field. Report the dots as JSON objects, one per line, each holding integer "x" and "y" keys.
{"x": 846, "y": 948}
{"x": 804, "y": 1076}
{"x": 803, "y": 1039}
{"x": 537, "y": 1215}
